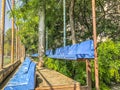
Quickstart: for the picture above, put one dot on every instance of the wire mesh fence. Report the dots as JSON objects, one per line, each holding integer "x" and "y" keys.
{"x": 7, "y": 43}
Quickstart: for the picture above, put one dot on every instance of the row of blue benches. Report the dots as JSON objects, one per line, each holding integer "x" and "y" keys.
{"x": 24, "y": 78}
{"x": 81, "y": 50}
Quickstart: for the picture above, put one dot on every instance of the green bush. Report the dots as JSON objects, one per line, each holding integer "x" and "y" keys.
{"x": 109, "y": 63}
{"x": 72, "y": 69}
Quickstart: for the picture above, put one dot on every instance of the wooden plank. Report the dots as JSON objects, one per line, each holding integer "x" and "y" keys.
{"x": 52, "y": 80}
{"x": 61, "y": 87}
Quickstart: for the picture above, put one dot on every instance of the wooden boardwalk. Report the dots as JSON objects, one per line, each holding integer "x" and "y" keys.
{"x": 52, "y": 80}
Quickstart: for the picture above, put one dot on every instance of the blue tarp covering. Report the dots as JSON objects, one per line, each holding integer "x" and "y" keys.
{"x": 73, "y": 52}
{"x": 35, "y": 55}
{"x": 24, "y": 79}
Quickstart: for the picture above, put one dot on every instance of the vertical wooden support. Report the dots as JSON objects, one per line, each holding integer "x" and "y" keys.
{"x": 95, "y": 45}
{"x": 12, "y": 43}
{"x": 16, "y": 45}
{"x": 88, "y": 71}
{"x": 2, "y": 34}
{"x": 23, "y": 54}
{"x": 18, "y": 49}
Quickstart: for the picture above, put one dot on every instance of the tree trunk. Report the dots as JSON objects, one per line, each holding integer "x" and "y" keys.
{"x": 72, "y": 24}
{"x": 41, "y": 44}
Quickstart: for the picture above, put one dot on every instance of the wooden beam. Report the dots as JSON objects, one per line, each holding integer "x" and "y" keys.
{"x": 2, "y": 34}
{"x": 95, "y": 45}
{"x": 12, "y": 43}
{"x": 88, "y": 71}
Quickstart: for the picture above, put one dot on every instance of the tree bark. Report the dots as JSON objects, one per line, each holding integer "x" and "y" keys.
{"x": 41, "y": 44}
{"x": 72, "y": 23}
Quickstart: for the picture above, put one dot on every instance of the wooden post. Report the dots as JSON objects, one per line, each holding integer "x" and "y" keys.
{"x": 20, "y": 51}
{"x": 2, "y": 33}
{"x": 16, "y": 45}
{"x": 95, "y": 45}
{"x": 18, "y": 48}
{"x": 12, "y": 43}
{"x": 88, "y": 71}
{"x": 23, "y": 54}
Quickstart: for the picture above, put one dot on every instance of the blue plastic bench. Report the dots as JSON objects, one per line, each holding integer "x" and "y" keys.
{"x": 24, "y": 79}
{"x": 76, "y": 51}
{"x": 35, "y": 55}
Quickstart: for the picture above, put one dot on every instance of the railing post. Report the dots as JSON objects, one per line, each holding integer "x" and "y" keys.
{"x": 12, "y": 43}
{"x": 2, "y": 33}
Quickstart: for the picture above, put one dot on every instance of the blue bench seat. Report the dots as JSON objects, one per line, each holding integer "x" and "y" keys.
{"x": 24, "y": 79}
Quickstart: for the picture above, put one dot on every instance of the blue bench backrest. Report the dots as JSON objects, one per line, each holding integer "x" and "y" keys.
{"x": 82, "y": 50}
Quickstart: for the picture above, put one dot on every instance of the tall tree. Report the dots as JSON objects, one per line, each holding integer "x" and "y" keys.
{"x": 41, "y": 47}
{"x": 72, "y": 24}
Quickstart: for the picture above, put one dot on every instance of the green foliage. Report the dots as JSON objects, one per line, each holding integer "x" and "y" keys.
{"x": 71, "y": 69}
{"x": 109, "y": 64}
{"x": 27, "y": 19}
{"x": 58, "y": 65}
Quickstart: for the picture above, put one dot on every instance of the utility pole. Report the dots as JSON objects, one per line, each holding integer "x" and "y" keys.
{"x": 95, "y": 45}
{"x": 2, "y": 34}
{"x": 12, "y": 43}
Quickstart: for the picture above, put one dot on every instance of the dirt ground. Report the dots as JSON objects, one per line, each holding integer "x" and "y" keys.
{"x": 116, "y": 87}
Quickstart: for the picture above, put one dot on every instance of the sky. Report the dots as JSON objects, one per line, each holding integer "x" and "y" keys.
{"x": 7, "y": 19}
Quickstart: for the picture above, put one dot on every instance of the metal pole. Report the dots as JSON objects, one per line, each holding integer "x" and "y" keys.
{"x": 95, "y": 45}
{"x": 12, "y": 44}
{"x": 64, "y": 21}
{"x": 2, "y": 34}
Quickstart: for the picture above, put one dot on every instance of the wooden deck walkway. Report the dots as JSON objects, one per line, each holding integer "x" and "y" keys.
{"x": 52, "y": 80}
